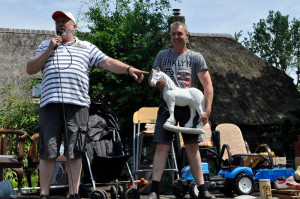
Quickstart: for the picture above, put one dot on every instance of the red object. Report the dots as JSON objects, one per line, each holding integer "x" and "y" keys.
{"x": 142, "y": 181}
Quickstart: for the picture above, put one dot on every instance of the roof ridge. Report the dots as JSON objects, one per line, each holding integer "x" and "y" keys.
{"x": 15, "y": 30}
{"x": 211, "y": 35}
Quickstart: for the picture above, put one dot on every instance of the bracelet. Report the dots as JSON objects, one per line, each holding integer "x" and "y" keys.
{"x": 128, "y": 70}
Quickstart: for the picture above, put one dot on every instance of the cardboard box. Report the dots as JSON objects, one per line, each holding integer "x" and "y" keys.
{"x": 279, "y": 160}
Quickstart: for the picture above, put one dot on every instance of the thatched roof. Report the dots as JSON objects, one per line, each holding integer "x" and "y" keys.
{"x": 247, "y": 90}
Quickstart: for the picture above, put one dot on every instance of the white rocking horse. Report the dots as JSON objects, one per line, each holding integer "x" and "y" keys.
{"x": 174, "y": 95}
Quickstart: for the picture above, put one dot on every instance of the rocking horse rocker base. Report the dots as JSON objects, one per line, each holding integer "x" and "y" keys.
{"x": 179, "y": 129}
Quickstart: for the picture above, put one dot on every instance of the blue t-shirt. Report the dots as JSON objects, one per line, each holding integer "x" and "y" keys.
{"x": 182, "y": 68}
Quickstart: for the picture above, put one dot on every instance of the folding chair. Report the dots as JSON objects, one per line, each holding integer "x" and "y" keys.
{"x": 146, "y": 116}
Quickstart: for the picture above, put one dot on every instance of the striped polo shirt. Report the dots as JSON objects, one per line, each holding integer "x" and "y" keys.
{"x": 66, "y": 72}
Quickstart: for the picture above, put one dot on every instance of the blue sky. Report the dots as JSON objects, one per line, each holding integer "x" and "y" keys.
{"x": 202, "y": 16}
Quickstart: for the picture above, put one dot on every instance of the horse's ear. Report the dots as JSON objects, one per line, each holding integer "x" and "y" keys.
{"x": 156, "y": 69}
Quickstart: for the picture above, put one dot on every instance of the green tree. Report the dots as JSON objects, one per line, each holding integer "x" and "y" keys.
{"x": 132, "y": 31}
{"x": 276, "y": 40}
{"x": 296, "y": 48}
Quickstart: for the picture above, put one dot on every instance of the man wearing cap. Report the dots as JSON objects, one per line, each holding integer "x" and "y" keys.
{"x": 65, "y": 62}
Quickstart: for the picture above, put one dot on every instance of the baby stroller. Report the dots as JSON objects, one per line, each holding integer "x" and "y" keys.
{"x": 105, "y": 158}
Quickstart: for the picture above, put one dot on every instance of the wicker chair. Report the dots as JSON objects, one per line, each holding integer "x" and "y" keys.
{"x": 236, "y": 152}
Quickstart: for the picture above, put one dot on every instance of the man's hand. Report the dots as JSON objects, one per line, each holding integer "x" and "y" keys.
{"x": 55, "y": 41}
{"x": 204, "y": 118}
{"x": 161, "y": 84}
{"x": 137, "y": 74}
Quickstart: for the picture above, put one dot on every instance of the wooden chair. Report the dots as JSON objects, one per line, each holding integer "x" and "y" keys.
{"x": 12, "y": 144}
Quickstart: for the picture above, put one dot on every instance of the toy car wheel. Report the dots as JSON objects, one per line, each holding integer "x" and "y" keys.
{"x": 193, "y": 190}
{"x": 130, "y": 193}
{"x": 98, "y": 194}
{"x": 179, "y": 189}
{"x": 113, "y": 192}
{"x": 243, "y": 184}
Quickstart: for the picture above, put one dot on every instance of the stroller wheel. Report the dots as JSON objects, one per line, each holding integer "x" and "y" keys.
{"x": 130, "y": 193}
{"x": 179, "y": 188}
{"x": 98, "y": 194}
{"x": 193, "y": 190}
{"x": 113, "y": 192}
{"x": 120, "y": 190}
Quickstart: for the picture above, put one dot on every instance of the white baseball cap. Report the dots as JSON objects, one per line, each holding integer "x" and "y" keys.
{"x": 64, "y": 13}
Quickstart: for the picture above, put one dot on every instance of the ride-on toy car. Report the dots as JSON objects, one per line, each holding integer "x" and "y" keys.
{"x": 241, "y": 180}
{"x": 238, "y": 170}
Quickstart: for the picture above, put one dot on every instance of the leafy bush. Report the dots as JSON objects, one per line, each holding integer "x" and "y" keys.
{"x": 17, "y": 112}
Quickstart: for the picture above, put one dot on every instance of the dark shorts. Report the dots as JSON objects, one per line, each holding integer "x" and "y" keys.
{"x": 53, "y": 130}
{"x": 182, "y": 115}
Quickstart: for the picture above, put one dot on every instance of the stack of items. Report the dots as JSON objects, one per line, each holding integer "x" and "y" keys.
{"x": 287, "y": 187}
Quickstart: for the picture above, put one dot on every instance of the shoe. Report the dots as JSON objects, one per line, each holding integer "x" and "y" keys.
{"x": 153, "y": 195}
{"x": 44, "y": 196}
{"x": 205, "y": 195}
{"x": 288, "y": 183}
{"x": 74, "y": 196}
